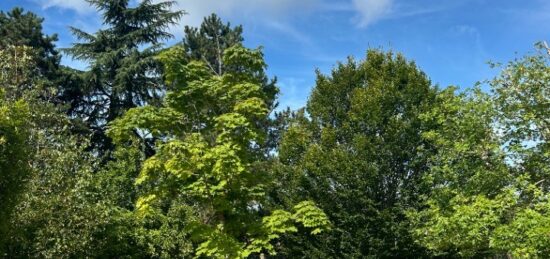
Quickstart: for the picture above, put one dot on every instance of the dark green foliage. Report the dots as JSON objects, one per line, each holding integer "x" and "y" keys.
{"x": 15, "y": 121}
{"x": 360, "y": 155}
{"x": 123, "y": 72}
{"x": 20, "y": 28}
{"x": 379, "y": 164}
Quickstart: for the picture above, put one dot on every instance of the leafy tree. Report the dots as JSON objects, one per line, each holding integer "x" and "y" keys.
{"x": 207, "y": 166}
{"x": 123, "y": 72}
{"x": 20, "y": 28}
{"x": 207, "y": 44}
{"x": 359, "y": 154}
{"x": 15, "y": 121}
{"x": 51, "y": 203}
{"x": 489, "y": 196}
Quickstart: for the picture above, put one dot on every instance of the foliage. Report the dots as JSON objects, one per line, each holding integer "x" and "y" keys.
{"x": 169, "y": 153}
{"x": 207, "y": 160}
{"x": 19, "y": 28}
{"x": 359, "y": 155}
{"x": 123, "y": 72}
{"x": 488, "y": 178}
{"x": 15, "y": 119}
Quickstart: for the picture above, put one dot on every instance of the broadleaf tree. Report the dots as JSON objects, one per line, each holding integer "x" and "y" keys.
{"x": 357, "y": 151}
{"x": 208, "y": 160}
{"x": 490, "y": 195}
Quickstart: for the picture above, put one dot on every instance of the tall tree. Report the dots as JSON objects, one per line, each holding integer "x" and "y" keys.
{"x": 208, "y": 43}
{"x": 207, "y": 168}
{"x": 359, "y": 154}
{"x": 123, "y": 72}
{"x": 15, "y": 149}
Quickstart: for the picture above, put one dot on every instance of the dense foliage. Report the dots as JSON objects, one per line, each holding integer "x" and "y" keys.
{"x": 123, "y": 71}
{"x": 156, "y": 152}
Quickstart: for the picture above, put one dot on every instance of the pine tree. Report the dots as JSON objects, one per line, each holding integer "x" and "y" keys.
{"x": 20, "y": 28}
{"x": 123, "y": 72}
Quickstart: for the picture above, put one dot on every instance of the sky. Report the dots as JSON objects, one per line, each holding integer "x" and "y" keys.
{"x": 450, "y": 40}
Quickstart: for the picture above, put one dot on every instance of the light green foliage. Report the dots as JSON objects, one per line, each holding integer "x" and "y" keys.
{"x": 488, "y": 177}
{"x": 208, "y": 159}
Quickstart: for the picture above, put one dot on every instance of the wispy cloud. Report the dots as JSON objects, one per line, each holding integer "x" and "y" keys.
{"x": 80, "y": 6}
{"x": 243, "y": 9}
{"x": 370, "y": 11}
{"x": 364, "y": 12}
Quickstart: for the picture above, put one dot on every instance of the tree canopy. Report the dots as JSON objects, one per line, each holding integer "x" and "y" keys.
{"x": 178, "y": 151}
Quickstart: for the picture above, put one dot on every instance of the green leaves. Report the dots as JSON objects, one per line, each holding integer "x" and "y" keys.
{"x": 360, "y": 156}
{"x": 488, "y": 192}
{"x": 124, "y": 72}
{"x": 207, "y": 154}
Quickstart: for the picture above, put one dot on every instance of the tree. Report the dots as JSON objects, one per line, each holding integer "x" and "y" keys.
{"x": 207, "y": 165}
{"x": 54, "y": 201}
{"x": 123, "y": 72}
{"x": 15, "y": 119}
{"x": 488, "y": 178}
{"x": 20, "y": 28}
{"x": 209, "y": 42}
{"x": 359, "y": 154}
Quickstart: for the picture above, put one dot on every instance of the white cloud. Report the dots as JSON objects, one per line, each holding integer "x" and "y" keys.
{"x": 242, "y": 9}
{"x": 268, "y": 12}
{"x": 80, "y": 6}
{"x": 370, "y": 11}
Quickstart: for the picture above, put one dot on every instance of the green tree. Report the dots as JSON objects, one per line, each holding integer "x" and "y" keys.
{"x": 15, "y": 149}
{"x": 20, "y": 28}
{"x": 54, "y": 200}
{"x": 359, "y": 154}
{"x": 490, "y": 198}
{"x": 207, "y": 166}
{"x": 123, "y": 72}
{"x": 208, "y": 42}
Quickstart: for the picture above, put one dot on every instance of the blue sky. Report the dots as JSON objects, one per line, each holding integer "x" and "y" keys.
{"x": 451, "y": 40}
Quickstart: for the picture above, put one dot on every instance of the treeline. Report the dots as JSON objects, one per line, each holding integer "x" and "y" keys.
{"x": 167, "y": 152}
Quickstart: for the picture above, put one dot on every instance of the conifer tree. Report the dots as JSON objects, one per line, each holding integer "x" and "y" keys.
{"x": 123, "y": 72}
{"x": 20, "y": 28}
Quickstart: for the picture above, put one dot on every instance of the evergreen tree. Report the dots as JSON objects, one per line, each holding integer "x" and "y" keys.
{"x": 123, "y": 72}
{"x": 208, "y": 43}
{"x": 20, "y": 28}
